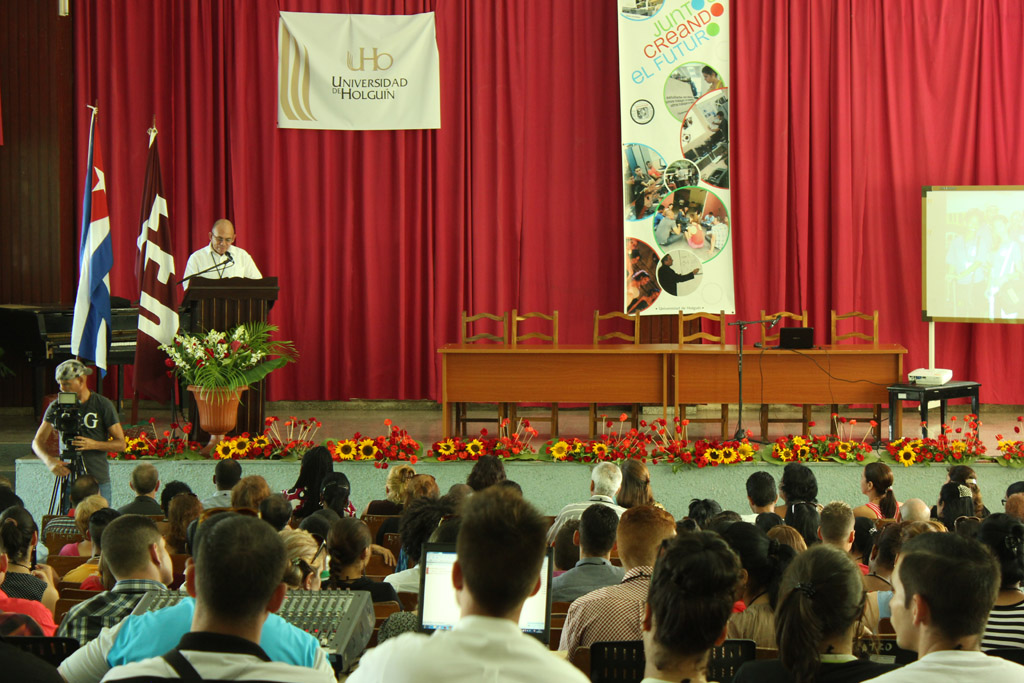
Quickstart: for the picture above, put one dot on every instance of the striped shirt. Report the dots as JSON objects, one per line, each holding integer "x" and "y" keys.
{"x": 612, "y": 613}
{"x": 84, "y": 621}
{"x": 575, "y": 511}
{"x": 1005, "y": 627}
{"x": 61, "y": 526}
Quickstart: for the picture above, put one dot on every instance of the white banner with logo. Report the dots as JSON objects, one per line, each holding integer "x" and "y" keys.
{"x": 358, "y": 72}
{"x": 674, "y": 98}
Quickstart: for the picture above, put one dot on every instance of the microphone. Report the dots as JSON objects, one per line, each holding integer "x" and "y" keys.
{"x": 775, "y": 322}
{"x": 230, "y": 258}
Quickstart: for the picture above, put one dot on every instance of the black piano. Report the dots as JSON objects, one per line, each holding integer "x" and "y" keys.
{"x": 40, "y": 335}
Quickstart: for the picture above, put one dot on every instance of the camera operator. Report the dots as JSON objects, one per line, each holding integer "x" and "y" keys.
{"x": 97, "y": 422}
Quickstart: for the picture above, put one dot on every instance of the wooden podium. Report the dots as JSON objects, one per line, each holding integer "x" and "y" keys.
{"x": 220, "y": 305}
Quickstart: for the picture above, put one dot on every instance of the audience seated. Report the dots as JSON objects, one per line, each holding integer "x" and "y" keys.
{"x": 689, "y": 603}
{"x": 595, "y": 539}
{"x": 394, "y": 492}
{"x": 304, "y": 494}
{"x": 237, "y": 584}
{"x": 761, "y": 496}
{"x": 965, "y": 474}
{"x": 605, "y": 480}
{"x": 1004, "y": 536}
{"x": 137, "y": 556}
{"x": 239, "y": 569}
{"x": 419, "y": 520}
{"x": 567, "y": 552}
{"x": 82, "y": 514}
{"x": 64, "y": 525}
{"x": 98, "y": 522}
{"x": 955, "y": 501}
{"x": 418, "y": 486}
{"x": 703, "y": 511}
{"x": 798, "y": 485}
{"x": 617, "y": 612}
{"x": 226, "y": 474}
{"x": 19, "y": 536}
{"x": 348, "y": 545}
{"x": 876, "y": 483}
{"x": 787, "y": 535}
{"x": 864, "y": 532}
{"x": 487, "y": 471}
{"x": 835, "y": 527}
{"x": 915, "y": 510}
{"x": 307, "y": 559}
{"x": 183, "y": 510}
{"x": 336, "y": 494}
{"x": 39, "y": 617}
{"x": 882, "y": 559}
{"x": 276, "y": 511}
{"x": 944, "y": 587}
{"x": 145, "y": 481}
{"x": 805, "y": 517}
{"x": 1015, "y": 505}
{"x": 499, "y": 553}
{"x": 765, "y": 521}
{"x": 821, "y": 599}
{"x": 249, "y": 492}
{"x": 764, "y": 561}
{"x": 170, "y": 490}
{"x": 635, "y": 488}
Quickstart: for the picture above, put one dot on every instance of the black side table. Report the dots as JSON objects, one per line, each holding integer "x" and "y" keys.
{"x": 924, "y": 394}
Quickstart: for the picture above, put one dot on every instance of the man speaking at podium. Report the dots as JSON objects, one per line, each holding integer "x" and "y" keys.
{"x": 222, "y": 259}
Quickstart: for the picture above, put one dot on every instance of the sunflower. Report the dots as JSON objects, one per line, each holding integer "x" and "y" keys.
{"x": 843, "y": 447}
{"x": 345, "y": 450}
{"x": 729, "y": 456}
{"x": 367, "y": 449}
{"x": 261, "y": 441}
{"x": 715, "y": 455}
{"x": 446, "y": 447}
{"x": 224, "y": 450}
{"x": 560, "y": 450}
{"x": 475, "y": 447}
{"x": 905, "y": 456}
{"x": 798, "y": 441}
{"x": 600, "y": 450}
{"x": 745, "y": 452}
{"x": 242, "y": 445}
{"x": 781, "y": 452}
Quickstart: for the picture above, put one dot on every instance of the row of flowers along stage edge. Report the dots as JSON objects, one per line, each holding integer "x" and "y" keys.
{"x": 658, "y": 441}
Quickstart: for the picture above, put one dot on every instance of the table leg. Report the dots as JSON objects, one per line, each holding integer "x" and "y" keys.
{"x": 446, "y": 419}
{"x": 942, "y": 414}
{"x": 924, "y": 417}
{"x": 892, "y": 415}
{"x": 974, "y": 403}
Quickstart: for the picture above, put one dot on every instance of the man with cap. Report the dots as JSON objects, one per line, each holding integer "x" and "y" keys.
{"x": 99, "y": 430}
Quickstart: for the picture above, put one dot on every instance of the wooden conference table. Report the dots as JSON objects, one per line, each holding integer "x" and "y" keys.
{"x": 666, "y": 374}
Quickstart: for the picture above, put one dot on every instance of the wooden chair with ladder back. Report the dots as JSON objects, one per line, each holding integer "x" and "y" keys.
{"x": 766, "y": 342}
{"x": 518, "y": 336}
{"x": 599, "y": 337}
{"x": 470, "y": 324}
{"x": 836, "y": 338}
{"x": 699, "y": 336}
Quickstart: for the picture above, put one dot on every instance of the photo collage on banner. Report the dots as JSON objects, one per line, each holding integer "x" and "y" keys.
{"x": 674, "y": 98}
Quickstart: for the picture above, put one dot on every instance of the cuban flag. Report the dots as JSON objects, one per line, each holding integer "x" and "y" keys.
{"x": 90, "y": 327}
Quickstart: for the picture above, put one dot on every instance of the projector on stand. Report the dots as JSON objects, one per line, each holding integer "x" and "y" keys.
{"x": 930, "y": 377}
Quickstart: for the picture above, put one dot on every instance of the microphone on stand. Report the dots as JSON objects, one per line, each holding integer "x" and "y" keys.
{"x": 775, "y": 322}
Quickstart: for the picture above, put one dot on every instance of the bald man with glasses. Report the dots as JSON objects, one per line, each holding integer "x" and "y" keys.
{"x": 222, "y": 258}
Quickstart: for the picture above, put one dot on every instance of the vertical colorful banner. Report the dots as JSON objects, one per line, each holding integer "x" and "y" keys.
{"x": 674, "y": 99}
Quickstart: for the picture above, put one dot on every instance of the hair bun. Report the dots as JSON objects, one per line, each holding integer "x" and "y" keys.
{"x": 965, "y": 491}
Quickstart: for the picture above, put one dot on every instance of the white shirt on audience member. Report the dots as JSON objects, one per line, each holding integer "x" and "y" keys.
{"x": 956, "y": 666}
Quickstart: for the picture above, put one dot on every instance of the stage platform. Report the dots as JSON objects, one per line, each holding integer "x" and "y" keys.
{"x": 548, "y": 485}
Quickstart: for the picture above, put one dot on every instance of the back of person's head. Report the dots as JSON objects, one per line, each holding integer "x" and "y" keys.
{"x": 226, "y": 474}
{"x": 85, "y": 509}
{"x": 879, "y": 476}
{"x": 419, "y": 519}
{"x": 957, "y": 577}
{"x": 16, "y": 529}
{"x": 8, "y": 498}
{"x": 965, "y": 474}
{"x": 250, "y": 492}
{"x": 955, "y": 500}
{"x": 909, "y": 530}
{"x": 686, "y": 525}
{"x": 567, "y": 553}
{"x": 821, "y": 597}
{"x": 397, "y": 478}
{"x": 690, "y": 597}
{"x": 276, "y": 511}
{"x": 83, "y": 487}
{"x": 183, "y": 508}
{"x": 764, "y": 559}
{"x": 798, "y": 484}
{"x": 316, "y": 464}
{"x": 500, "y": 549}
{"x": 456, "y": 494}
{"x": 864, "y": 532}
{"x": 447, "y": 531}
{"x": 915, "y": 510}
{"x": 641, "y": 530}
{"x": 805, "y": 518}
{"x": 301, "y": 552}
{"x": 722, "y": 520}
{"x": 703, "y": 510}
{"x": 319, "y": 523}
{"x": 886, "y": 547}
{"x": 787, "y": 535}
{"x": 347, "y": 540}
{"x": 1004, "y": 536}
{"x": 239, "y": 564}
{"x": 145, "y": 479}
{"x": 598, "y": 526}
{"x": 635, "y": 488}
{"x": 511, "y": 486}
{"x": 127, "y": 540}
{"x": 766, "y": 521}
{"x": 335, "y": 492}
{"x": 98, "y": 523}
{"x": 487, "y": 471}
{"x": 1014, "y": 488}
{"x": 1015, "y": 506}
{"x": 169, "y": 491}
{"x": 421, "y": 486}
{"x": 836, "y": 522}
{"x": 761, "y": 489}
{"x": 606, "y": 478}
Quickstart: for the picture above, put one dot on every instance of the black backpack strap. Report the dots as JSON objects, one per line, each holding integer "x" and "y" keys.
{"x": 182, "y": 666}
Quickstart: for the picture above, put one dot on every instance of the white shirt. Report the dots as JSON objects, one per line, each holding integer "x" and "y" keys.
{"x": 477, "y": 650}
{"x": 956, "y": 666}
{"x": 243, "y": 265}
{"x": 575, "y": 511}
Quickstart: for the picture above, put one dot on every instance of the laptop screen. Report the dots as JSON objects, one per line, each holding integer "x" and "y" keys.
{"x": 439, "y": 610}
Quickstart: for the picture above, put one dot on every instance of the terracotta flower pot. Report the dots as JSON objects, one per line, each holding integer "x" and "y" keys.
{"x": 218, "y": 411}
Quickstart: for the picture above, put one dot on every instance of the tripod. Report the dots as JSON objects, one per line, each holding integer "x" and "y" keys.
{"x": 741, "y": 433}
{"x": 60, "y": 499}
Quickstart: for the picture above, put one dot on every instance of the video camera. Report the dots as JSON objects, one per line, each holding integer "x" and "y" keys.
{"x": 67, "y": 418}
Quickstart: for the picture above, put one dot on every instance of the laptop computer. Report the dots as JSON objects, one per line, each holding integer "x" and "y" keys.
{"x": 796, "y": 338}
{"x": 438, "y": 609}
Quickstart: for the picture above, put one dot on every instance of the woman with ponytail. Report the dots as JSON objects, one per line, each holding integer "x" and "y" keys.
{"x": 876, "y": 484}
{"x": 821, "y": 600}
{"x": 1004, "y": 536}
{"x": 764, "y": 560}
{"x": 348, "y": 547}
{"x": 24, "y": 579}
{"x": 955, "y": 501}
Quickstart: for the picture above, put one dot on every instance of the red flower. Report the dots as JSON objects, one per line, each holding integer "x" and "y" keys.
{"x": 387, "y": 422}
{"x": 169, "y": 363}
{"x": 623, "y": 417}
{"x": 811, "y": 424}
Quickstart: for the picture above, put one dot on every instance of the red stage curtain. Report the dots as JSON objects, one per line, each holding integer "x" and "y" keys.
{"x": 841, "y": 111}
